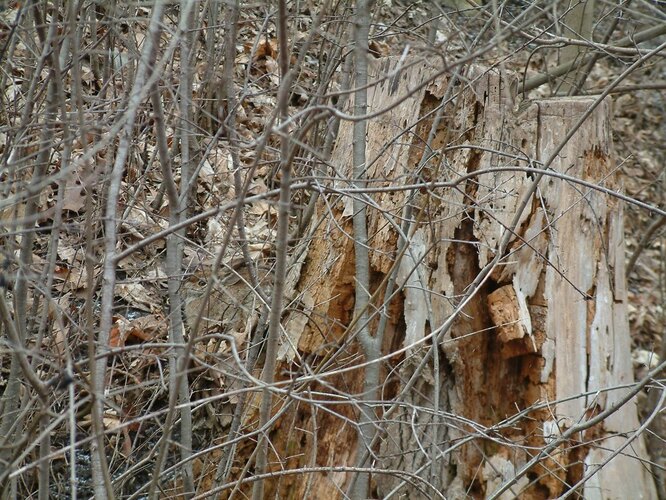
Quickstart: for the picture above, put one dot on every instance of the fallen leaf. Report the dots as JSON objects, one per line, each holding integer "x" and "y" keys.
{"x": 74, "y": 199}
{"x": 137, "y": 296}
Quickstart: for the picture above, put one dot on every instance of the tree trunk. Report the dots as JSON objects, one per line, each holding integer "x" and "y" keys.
{"x": 522, "y": 355}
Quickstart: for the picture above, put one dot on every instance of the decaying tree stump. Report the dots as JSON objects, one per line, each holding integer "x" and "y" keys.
{"x": 546, "y": 330}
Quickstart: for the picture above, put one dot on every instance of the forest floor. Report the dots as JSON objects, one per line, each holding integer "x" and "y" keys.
{"x": 140, "y": 318}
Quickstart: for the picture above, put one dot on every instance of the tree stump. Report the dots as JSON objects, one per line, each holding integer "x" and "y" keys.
{"x": 542, "y": 343}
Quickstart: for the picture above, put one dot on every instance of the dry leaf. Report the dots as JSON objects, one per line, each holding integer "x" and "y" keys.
{"x": 137, "y": 296}
{"x": 74, "y": 199}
